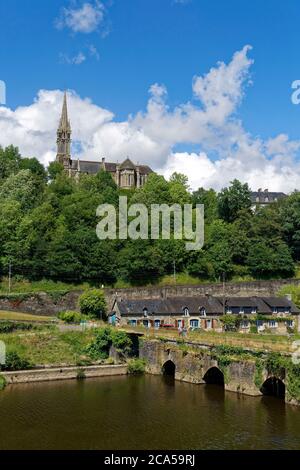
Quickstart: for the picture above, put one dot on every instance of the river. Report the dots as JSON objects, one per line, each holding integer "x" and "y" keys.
{"x": 149, "y": 412}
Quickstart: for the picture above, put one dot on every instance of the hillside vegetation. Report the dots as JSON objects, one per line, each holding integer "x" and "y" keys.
{"x": 48, "y": 232}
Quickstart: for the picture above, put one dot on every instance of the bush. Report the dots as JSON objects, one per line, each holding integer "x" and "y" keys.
{"x": 15, "y": 362}
{"x": 105, "y": 338}
{"x": 8, "y": 326}
{"x": 136, "y": 366}
{"x": 93, "y": 304}
{"x": 275, "y": 364}
{"x": 121, "y": 341}
{"x": 230, "y": 322}
{"x": 2, "y": 382}
{"x": 99, "y": 348}
{"x": 70, "y": 317}
{"x": 80, "y": 375}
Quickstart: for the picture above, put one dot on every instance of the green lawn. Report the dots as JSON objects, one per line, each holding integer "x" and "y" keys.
{"x": 48, "y": 346}
{"x": 17, "y": 316}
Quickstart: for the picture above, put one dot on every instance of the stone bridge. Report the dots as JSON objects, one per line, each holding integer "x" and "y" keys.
{"x": 199, "y": 367}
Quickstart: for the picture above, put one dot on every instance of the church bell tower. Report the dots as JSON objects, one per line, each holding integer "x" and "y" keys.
{"x": 64, "y": 137}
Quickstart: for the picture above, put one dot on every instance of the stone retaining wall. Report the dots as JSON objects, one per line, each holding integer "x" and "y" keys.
{"x": 64, "y": 373}
{"x": 52, "y": 303}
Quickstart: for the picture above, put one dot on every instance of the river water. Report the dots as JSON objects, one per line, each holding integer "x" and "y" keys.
{"x": 149, "y": 412}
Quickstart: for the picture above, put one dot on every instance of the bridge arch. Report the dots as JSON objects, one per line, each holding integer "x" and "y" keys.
{"x": 169, "y": 368}
{"x": 273, "y": 386}
{"x": 214, "y": 376}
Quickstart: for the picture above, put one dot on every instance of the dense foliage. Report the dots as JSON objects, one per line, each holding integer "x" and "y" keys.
{"x": 93, "y": 303}
{"x": 104, "y": 339}
{"x": 48, "y": 229}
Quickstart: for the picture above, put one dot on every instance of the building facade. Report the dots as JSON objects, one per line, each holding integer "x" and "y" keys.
{"x": 274, "y": 314}
{"x": 127, "y": 175}
{"x": 265, "y": 197}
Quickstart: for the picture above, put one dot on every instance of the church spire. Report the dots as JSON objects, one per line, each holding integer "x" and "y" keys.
{"x": 64, "y": 120}
{"x": 64, "y": 137}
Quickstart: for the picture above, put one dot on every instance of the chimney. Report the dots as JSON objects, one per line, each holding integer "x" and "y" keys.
{"x": 103, "y": 159}
{"x": 288, "y": 297}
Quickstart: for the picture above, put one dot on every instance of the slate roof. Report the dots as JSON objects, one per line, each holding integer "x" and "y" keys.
{"x": 145, "y": 169}
{"x": 87, "y": 167}
{"x": 92, "y": 167}
{"x": 212, "y": 305}
{"x": 266, "y": 197}
{"x": 127, "y": 165}
{"x": 172, "y": 306}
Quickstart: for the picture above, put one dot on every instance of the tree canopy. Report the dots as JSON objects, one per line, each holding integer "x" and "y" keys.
{"x": 48, "y": 229}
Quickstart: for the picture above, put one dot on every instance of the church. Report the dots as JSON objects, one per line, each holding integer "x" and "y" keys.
{"x": 127, "y": 175}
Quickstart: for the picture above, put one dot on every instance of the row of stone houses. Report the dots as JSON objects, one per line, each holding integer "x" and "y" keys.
{"x": 275, "y": 314}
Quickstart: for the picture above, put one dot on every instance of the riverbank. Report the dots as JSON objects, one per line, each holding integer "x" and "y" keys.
{"x": 63, "y": 373}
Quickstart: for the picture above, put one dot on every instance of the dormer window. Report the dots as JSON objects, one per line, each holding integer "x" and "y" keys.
{"x": 186, "y": 312}
{"x": 202, "y": 312}
{"x": 274, "y": 309}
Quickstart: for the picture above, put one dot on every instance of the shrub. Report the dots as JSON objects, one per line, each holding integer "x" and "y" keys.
{"x": 70, "y": 317}
{"x": 275, "y": 364}
{"x": 8, "y": 326}
{"x": 2, "y": 382}
{"x": 105, "y": 338}
{"x": 15, "y": 362}
{"x": 80, "y": 375}
{"x": 93, "y": 304}
{"x": 99, "y": 348}
{"x": 121, "y": 341}
{"x": 230, "y": 322}
{"x": 253, "y": 329}
{"x": 258, "y": 376}
{"x": 136, "y": 366}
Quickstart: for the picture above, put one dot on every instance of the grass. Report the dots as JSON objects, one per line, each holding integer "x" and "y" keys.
{"x": 49, "y": 346}
{"x": 256, "y": 342}
{"x": 17, "y": 316}
{"x": 23, "y": 286}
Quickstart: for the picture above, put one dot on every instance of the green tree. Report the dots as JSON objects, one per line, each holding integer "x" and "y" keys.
{"x": 21, "y": 187}
{"x": 233, "y": 199}
{"x": 209, "y": 199}
{"x": 93, "y": 303}
{"x": 289, "y": 214}
{"x": 34, "y": 166}
{"x": 54, "y": 169}
{"x": 9, "y": 161}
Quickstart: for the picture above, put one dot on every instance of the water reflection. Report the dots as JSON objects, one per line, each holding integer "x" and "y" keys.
{"x": 142, "y": 413}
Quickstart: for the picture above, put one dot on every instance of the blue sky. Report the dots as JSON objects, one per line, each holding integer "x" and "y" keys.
{"x": 137, "y": 43}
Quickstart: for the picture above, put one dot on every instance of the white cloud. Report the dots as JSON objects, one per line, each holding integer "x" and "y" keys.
{"x": 93, "y": 51}
{"x": 226, "y": 149}
{"x": 75, "y": 60}
{"x": 85, "y": 19}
